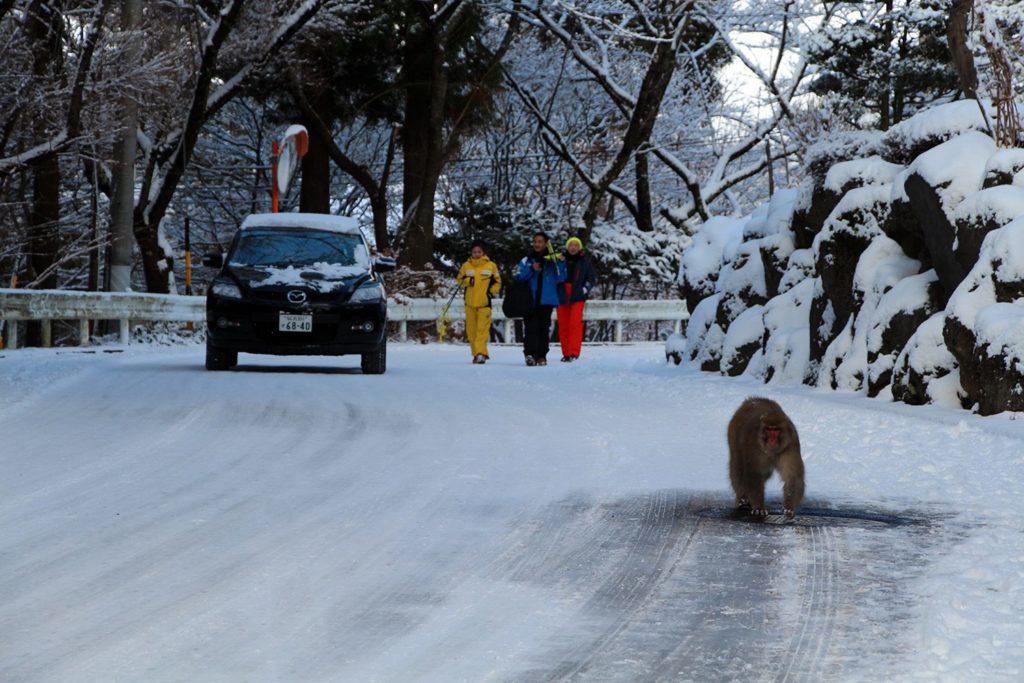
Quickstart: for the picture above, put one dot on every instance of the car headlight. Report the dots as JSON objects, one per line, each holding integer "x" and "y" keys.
{"x": 368, "y": 294}
{"x": 226, "y": 289}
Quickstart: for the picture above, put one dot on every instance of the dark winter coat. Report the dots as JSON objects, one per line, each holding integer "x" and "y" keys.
{"x": 580, "y": 274}
{"x": 543, "y": 283}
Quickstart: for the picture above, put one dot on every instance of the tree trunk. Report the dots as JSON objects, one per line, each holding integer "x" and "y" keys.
{"x": 43, "y": 29}
{"x": 43, "y": 26}
{"x": 956, "y": 36}
{"x": 377, "y": 192}
{"x": 422, "y": 142}
{"x": 641, "y": 124}
{"x": 644, "y": 210}
{"x": 885, "y": 101}
{"x": 166, "y": 164}
{"x": 315, "y": 192}
{"x": 122, "y": 205}
{"x": 44, "y": 221}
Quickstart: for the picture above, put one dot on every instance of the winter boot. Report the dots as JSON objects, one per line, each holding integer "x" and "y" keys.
{"x": 531, "y": 361}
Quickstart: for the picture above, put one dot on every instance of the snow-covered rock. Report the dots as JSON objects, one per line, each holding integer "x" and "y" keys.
{"x": 773, "y": 217}
{"x": 927, "y": 129}
{"x": 851, "y": 227}
{"x": 925, "y": 371}
{"x": 704, "y": 337}
{"x": 979, "y": 214}
{"x": 955, "y": 168}
{"x": 702, "y": 261}
{"x": 881, "y": 267}
{"x": 742, "y": 340}
{"x": 903, "y": 226}
{"x": 776, "y": 251}
{"x": 874, "y": 273}
{"x": 839, "y": 147}
{"x": 786, "y": 349}
{"x": 675, "y": 348}
{"x": 898, "y": 315}
{"x": 984, "y": 327}
{"x": 818, "y": 198}
{"x": 874, "y": 170}
{"x": 742, "y": 283}
{"x": 799, "y": 267}
{"x": 1005, "y": 167}
{"x": 775, "y": 231}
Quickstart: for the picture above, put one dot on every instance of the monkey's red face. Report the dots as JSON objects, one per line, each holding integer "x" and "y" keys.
{"x": 771, "y": 435}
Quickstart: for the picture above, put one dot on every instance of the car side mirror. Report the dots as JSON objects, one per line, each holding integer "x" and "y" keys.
{"x": 214, "y": 260}
{"x": 384, "y": 264}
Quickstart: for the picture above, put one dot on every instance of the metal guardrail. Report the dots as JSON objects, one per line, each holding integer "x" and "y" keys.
{"x": 49, "y": 305}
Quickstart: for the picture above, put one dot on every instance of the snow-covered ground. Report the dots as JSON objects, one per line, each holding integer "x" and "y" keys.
{"x": 295, "y": 520}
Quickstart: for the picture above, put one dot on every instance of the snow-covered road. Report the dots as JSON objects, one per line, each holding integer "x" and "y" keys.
{"x": 296, "y": 521}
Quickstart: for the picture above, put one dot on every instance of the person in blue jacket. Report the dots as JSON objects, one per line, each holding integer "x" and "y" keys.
{"x": 544, "y": 270}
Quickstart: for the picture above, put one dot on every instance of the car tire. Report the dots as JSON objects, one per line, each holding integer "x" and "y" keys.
{"x": 219, "y": 359}
{"x": 375, "y": 362}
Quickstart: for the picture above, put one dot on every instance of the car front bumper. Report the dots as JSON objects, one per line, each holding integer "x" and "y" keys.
{"x": 248, "y": 327}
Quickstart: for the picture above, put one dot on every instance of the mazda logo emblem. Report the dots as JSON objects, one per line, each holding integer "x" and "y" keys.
{"x": 297, "y": 296}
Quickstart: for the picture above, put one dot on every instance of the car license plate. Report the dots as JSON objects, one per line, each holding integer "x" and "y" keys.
{"x": 294, "y": 323}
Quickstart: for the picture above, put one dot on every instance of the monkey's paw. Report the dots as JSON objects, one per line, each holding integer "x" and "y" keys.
{"x": 759, "y": 512}
{"x": 790, "y": 514}
{"x": 743, "y": 504}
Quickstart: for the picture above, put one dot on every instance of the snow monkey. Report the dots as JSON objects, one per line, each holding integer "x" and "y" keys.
{"x": 762, "y": 439}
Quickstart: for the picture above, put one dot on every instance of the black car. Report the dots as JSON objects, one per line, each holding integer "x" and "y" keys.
{"x": 297, "y": 284}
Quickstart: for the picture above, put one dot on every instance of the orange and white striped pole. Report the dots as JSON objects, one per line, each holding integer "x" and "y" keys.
{"x": 275, "y": 152}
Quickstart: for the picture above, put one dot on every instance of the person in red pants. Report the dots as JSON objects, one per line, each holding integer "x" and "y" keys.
{"x": 572, "y": 295}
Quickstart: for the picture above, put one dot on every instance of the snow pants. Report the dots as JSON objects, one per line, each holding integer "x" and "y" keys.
{"x": 478, "y": 329}
{"x": 570, "y": 328}
{"x": 536, "y": 330}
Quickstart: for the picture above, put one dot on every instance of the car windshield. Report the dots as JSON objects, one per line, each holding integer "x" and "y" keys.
{"x": 274, "y": 248}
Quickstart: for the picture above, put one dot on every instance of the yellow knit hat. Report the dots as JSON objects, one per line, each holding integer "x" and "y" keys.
{"x": 577, "y": 240}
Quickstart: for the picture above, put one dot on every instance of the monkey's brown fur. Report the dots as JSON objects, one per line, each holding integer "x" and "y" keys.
{"x": 762, "y": 440}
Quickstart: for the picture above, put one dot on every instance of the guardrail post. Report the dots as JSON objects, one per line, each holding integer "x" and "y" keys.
{"x": 403, "y": 330}
{"x": 510, "y": 331}
{"x": 124, "y": 331}
{"x": 46, "y": 333}
{"x": 83, "y": 332}
{"x": 12, "y": 334}
{"x": 618, "y": 331}
{"x": 677, "y": 327}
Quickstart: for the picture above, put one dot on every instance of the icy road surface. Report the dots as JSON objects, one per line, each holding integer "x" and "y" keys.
{"x": 296, "y": 521}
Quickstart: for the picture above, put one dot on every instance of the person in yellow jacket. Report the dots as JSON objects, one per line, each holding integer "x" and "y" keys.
{"x": 480, "y": 279}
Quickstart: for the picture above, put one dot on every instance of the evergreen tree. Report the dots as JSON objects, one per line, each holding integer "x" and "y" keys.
{"x": 505, "y": 229}
{"x": 885, "y": 62}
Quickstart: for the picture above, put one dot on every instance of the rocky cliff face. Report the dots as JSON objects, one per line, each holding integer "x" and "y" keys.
{"x": 898, "y": 269}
